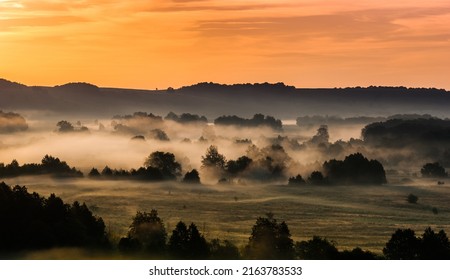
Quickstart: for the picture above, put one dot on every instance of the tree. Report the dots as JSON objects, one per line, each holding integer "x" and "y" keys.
{"x": 165, "y": 163}
{"x": 433, "y": 170}
{"x": 192, "y": 177}
{"x": 30, "y": 221}
{"x": 412, "y": 198}
{"x": 187, "y": 243}
{"x": 213, "y": 158}
{"x": 403, "y": 245}
{"x": 357, "y": 254}
{"x": 296, "y": 181}
{"x": 316, "y": 178}
{"x": 65, "y": 126}
{"x": 107, "y": 171}
{"x": 223, "y": 250}
{"x": 159, "y": 134}
{"x": 178, "y": 242}
{"x": 322, "y": 136}
{"x": 316, "y": 249}
{"x": 435, "y": 246}
{"x": 355, "y": 169}
{"x": 149, "y": 230}
{"x": 269, "y": 240}
{"x": 239, "y": 165}
{"x": 94, "y": 173}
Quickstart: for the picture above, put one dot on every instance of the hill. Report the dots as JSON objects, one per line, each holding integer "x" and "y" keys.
{"x": 213, "y": 100}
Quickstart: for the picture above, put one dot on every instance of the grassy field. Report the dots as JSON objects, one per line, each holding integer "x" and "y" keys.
{"x": 364, "y": 216}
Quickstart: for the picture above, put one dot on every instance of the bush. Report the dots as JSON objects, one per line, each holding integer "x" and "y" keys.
{"x": 412, "y": 198}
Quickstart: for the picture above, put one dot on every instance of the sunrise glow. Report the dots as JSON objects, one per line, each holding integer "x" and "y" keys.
{"x": 162, "y": 43}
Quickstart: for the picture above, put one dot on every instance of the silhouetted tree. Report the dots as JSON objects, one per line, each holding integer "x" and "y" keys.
{"x": 316, "y": 178}
{"x": 187, "y": 243}
{"x": 213, "y": 158}
{"x": 433, "y": 170}
{"x": 223, "y": 250}
{"x": 149, "y": 230}
{"x": 316, "y": 249}
{"x": 239, "y": 165}
{"x": 129, "y": 245}
{"x": 48, "y": 165}
{"x": 269, "y": 240}
{"x": 178, "y": 242}
{"x": 107, "y": 171}
{"x": 192, "y": 177}
{"x": 257, "y": 120}
{"x": 403, "y": 245}
{"x": 355, "y": 169}
{"x": 186, "y": 118}
{"x": 412, "y": 198}
{"x": 357, "y": 254}
{"x": 65, "y": 126}
{"x": 322, "y": 136}
{"x": 30, "y": 222}
{"x": 435, "y": 246}
{"x": 165, "y": 163}
{"x": 94, "y": 173}
{"x": 159, "y": 134}
{"x": 296, "y": 181}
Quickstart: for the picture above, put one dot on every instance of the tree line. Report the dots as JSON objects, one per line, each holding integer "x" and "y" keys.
{"x": 30, "y": 222}
{"x": 269, "y": 163}
{"x": 49, "y": 165}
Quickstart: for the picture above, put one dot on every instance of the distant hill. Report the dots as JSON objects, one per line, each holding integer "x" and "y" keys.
{"x": 213, "y": 100}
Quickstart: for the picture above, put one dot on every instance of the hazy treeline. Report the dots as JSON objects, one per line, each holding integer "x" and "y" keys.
{"x": 31, "y": 222}
{"x": 266, "y": 164}
{"x": 49, "y": 165}
{"x": 314, "y": 120}
{"x": 257, "y": 120}
{"x": 12, "y": 122}
{"x": 209, "y": 99}
{"x": 422, "y": 138}
{"x": 394, "y": 144}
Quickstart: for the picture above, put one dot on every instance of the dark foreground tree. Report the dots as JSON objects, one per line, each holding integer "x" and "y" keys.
{"x": 357, "y": 254}
{"x": 316, "y": 249}
{"x": 403, "y": 245}
{"x": 29, "y": 221}
{"x": 223, "y": 250}
{"x": 269, "y": 240}
{"x": 435, "y": 246}
{"x": 149, "y": 230}
{"x": 187, "y": 243}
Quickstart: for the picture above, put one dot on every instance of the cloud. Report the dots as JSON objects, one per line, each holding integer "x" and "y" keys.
{"x": 379, "y": 24}
{"x": 40, "y": 21}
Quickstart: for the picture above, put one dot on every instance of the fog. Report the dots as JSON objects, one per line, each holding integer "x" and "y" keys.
{"x": 108, "y": 142}
{"x": 352, "y": 215}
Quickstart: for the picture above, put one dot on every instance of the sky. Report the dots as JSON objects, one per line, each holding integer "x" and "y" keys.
{"x": 170, "y": 43}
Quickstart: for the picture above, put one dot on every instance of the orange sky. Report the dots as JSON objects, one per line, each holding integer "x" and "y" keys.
{"x": 162, "y": 43}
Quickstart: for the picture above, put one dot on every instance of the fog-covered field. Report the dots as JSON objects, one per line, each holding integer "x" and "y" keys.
{"x": 351, "y": 215}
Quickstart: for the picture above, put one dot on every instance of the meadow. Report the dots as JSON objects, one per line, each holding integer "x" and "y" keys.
{"x": 351, "y": 216}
